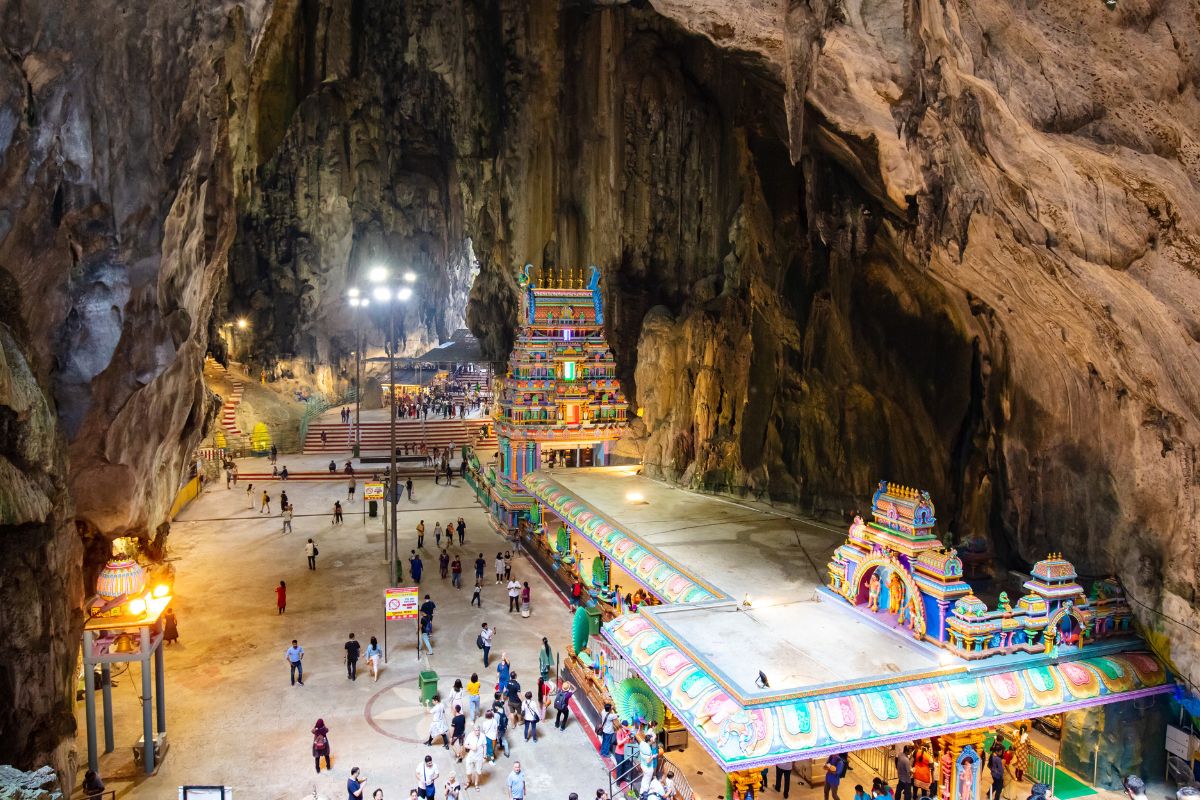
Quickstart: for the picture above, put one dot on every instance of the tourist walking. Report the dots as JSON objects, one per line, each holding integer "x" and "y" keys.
{"x": 352, "y": 650}
{"x": 514, "y": 596}
{"x": 415, "y": 567}
{"x": 783, "y": 774}
{"x": 354, "y": 784}
{"x": 525, "y": 596}
{"x": 486, "y": 635}
{"x": 516, "y": 782}
{"x": 514, "y": 692}
{"x": 437, "y": 533}
{"x": 501, "y": 728}
{"x": 444, "y": 564}
{"x": 170, "y": 627}
{"x": 265, "y": 507}
{"x": 545, "y": 659}
{"x": 996, "y": 770}
{"x": 426, "y": 632}
{"x": 408, "y": 487}
{"x": 499, "y": 567}
{"x": 439, "y": 727}
{"x": 456, "y": 573}
{"x": 458, "y": 730}
{"x": 479, "y": 565}
{"x": 250, "y": 495}
{"x": 904, "y": 775}
{"x": 320, "y": 744}
{"x": 374, "y": 656}
{"x": 449, "y": 475}
{"x": 508, "y": 559}
{"x": 477, "y": 595}
{"x": 281, "y": 598}
{"x": 287, "y": 519}
{"x": 490, "y": 727}
{"x": 835, "y": 767}
{"x": 475, "y": 746}
{"x": 607, "y": 730}
{"x": 421, "y": 533}
{"x": 350, "y": 489}
{"x": 295, "y": 655}
{"x": 453, "y": 787}
{"x": 503, "y": 673}
{"x": 562, "y": 705}
{"x": 284, "y": 505}
{"x": 473, "y": 687}
{"x": 462, "y": 531}
{"x": 427, "y": 775}
{"x": 337, "y": 512}
{"x": 310, "y": 550}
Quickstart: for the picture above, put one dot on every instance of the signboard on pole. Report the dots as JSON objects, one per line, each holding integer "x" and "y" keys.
{"x": 400, "y": 603}
{"x": 372, "y": 491}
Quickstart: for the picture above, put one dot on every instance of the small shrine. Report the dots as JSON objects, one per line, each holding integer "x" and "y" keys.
{"x": 898, "y": 569}
{"x": 560, "y": 402}
{"x": 125, "y": 624}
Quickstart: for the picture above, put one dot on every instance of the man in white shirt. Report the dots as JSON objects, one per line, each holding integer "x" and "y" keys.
{"x": 474, "y": 744}
{"x": 514, "y": 595}
{"x": 485, "y": 641}
{"x": 427, "y": 775}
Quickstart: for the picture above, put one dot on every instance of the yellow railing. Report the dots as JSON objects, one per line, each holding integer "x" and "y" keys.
{"x": 186, "y": 495}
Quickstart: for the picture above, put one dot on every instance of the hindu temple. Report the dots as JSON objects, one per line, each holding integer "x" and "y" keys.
{"x": 790, "y": 397}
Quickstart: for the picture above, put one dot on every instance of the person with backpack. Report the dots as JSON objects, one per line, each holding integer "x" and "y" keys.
{"x": 606, "y": 730}
{"x": 426, "y": 632}
{"x": 835, "y": 768}
{"x": 545, "y": 658}
{"x": 320, "y": 744}
{"x": 562, "y": 707}
{"x": 484, "y": 642}
{"x": 310, "y": 550}
{"x": 501, "y": 730}
{"x": 427, "y": 775}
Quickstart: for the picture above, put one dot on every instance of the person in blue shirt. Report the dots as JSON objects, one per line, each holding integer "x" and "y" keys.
{"x": 354, "y": 785}
{"x": 860, "y": 793}
{"x": 415, "y": 566}
{"x": 834, "y": 768}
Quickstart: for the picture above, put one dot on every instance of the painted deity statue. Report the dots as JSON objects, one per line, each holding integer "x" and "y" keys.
{"x": 744, "y": 782}
{"x": 895, "y": 593}
{"x": 945, "y": 774}
{"x": 1004, "y": 605}
{"x": 873, "y": 592}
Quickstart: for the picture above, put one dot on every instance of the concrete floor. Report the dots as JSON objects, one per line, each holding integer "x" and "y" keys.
{"x": 233, "y": 718}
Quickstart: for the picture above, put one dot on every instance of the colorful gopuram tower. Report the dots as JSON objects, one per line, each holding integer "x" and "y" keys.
{"x": 561, "y": 395}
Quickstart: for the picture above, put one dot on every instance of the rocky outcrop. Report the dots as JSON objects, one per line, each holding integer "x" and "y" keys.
{"x": 116, "y": 216}
{"x": 953, "y": 244}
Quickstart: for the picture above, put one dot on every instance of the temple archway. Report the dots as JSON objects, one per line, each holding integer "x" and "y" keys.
{"x": 912, "y": 595}
{"x": 1065, "y": 627}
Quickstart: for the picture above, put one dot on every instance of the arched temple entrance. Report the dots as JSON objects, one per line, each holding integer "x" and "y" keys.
{"x": 910, "y": 609}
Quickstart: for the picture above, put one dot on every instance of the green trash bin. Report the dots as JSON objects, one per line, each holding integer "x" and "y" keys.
{"x": 427, "y": 681}
{"x": 373, "y": 508}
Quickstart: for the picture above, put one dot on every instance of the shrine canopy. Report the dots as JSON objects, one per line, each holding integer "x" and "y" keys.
{"x": 841, "y": 676}
{"x": 744, "y": 732}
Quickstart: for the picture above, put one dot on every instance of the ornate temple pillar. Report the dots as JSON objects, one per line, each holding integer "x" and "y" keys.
{"x": 960, "y": 768}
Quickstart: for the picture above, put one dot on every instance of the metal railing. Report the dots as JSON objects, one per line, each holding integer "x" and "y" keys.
{"x": 1040, "y": 766}
{"x": 315, "y": 406}
{"x": 879, "y": 760}
{"x": 628, "y": 782}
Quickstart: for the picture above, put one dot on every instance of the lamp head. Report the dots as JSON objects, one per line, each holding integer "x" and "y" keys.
{"x": 382, "y": 294}
{"x": 403, "y": 293}
{"x": 378, "y": 274}
{"x": 241, "y": 323}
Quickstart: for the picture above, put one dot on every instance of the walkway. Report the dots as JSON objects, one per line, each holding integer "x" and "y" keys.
{"x": 232, "y": 716}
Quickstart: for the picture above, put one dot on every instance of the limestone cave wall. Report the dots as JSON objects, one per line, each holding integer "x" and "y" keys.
{"x": 949, "y": 243}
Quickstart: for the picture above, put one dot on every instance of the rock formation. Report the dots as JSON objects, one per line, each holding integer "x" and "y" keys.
{"x": 948, "y": 243}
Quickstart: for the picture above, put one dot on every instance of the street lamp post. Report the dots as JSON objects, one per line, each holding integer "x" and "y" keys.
{"x": 391, "y": 296}
{"x": 357, "y": 302}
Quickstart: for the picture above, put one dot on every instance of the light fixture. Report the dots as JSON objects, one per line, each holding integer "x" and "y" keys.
{"x": 355, "y": 302}
{"x": 242, "y": 323}
{"x": 161, "y": 590}
{"x": 410, "y": 276}
{"x": 352, "y": 291}
{"x": 635, "y": 497}
{"x": 137, "y": 606}
{"x": 382, "y": 294}
{"x": 378, "y": 274}
{"x": 404, "y": 293}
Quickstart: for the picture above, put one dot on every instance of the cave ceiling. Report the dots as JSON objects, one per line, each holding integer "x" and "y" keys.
{"x": 952, "y": 243}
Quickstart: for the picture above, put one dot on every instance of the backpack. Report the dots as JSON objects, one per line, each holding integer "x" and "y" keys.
{"x": 320, "y": 742}
{"x": 316, "y": 552}
{"x": 479, "y": 641}
{"x": 841, "y": 768}
{"x": 560, "y": 702}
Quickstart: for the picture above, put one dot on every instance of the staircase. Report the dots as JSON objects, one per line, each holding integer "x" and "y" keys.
{"x": 229, "y": 409}
{"x": 376, "y": 436}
